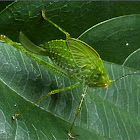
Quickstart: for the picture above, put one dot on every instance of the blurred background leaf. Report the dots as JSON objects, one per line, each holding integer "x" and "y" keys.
{"x": 111, "y": 113}
{"x": 4, "y": 4}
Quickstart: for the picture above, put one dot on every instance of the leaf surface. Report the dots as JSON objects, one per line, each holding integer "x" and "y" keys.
{"x": 111, "y": 113}
{"x": 133, "y": 60}
{"x": 114, "y": 39}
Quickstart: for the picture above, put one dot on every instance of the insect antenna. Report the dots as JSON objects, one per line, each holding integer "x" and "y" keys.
{"x": 124, "y": 76}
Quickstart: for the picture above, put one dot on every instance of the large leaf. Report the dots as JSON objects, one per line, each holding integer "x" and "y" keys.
{"x": 111, "y": 113}
{"x": 116, "y": 38}
{"x": 4, "y": 4}
{"x": 133, "y": 60}
{"x": 74, "y": 17}
{"x": 106, "y": 113}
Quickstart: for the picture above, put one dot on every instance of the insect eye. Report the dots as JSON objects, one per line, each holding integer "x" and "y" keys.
{"x": 105, "y": 85}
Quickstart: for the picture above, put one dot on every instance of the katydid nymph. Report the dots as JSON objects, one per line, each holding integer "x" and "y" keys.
{"x": 74, "y": 59}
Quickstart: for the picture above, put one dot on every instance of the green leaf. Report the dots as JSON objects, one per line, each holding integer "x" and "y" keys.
{"x": 133, "y": 60}
{"x": 116, "y": 38}
{"x": 24, "y": 81}
{"x": 106, "y": 113}
{"x": 75, "y": 17}
{"x": 111, "y": 113}
{"x": 4, "y": 4}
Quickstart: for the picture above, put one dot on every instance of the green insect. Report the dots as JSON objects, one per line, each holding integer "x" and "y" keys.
{"x": 72, "y": 58}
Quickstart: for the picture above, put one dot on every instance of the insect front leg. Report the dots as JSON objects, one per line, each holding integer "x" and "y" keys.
{"x": 62, "y": 30}
{"x": 77, "y": 113}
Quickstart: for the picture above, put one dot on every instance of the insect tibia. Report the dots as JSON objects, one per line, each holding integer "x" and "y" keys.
{"x": 63, "y": 31}
{"x": 124, "y": 76}
{"x": 43, "y": 97}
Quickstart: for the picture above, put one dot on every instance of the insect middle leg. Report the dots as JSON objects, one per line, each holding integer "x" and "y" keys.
{"x": 48, "y": 94}
{"x": 77, "y": 112}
